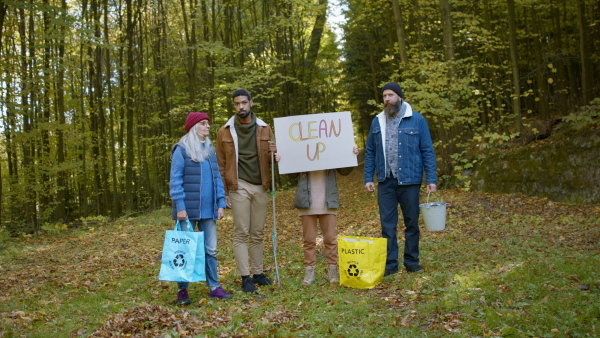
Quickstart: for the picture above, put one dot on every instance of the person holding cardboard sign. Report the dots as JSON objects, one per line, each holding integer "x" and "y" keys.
{"x": 244, "y": 154}
{"x": 317, "y": 200}
{"x": 398, "y": 148}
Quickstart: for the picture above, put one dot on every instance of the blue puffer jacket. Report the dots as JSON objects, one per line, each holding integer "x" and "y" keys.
{"x": 415, "y": 150}
{"x": 186, "y": 184}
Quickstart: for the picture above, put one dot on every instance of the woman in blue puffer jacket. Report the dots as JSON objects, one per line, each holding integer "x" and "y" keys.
{"x": 197, "y": 194}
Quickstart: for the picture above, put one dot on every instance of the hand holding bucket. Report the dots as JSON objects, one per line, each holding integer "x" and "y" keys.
{"x": 434, "y": 215}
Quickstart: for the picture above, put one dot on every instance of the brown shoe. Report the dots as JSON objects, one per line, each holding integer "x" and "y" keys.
{"x": 309, "y": 275}
{"x": 415, "y": 268}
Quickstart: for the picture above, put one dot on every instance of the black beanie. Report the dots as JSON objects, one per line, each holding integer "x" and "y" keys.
{"x": 241, "y": 92}
{"x": 394, "y": 87}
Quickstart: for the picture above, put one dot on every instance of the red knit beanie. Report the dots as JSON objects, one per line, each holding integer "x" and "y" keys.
{"x": 194, "y": 118}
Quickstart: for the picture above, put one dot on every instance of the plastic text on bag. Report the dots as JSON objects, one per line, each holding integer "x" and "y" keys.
{"x": 353, "y": 251}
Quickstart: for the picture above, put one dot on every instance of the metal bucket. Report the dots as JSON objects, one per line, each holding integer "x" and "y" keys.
{"x": 434, "y": 215}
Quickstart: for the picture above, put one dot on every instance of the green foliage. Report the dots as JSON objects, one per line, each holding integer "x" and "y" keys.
{"x": 496, "y": 139}
{"x": 55, "y": 228}
{"x": 587, "y": 117}
{"x": 4, "y": 237}
{"x": 462, "y": 165}
{"x": 89, "y": 110}
{"x": 468, "y": 94}
{"x": 92, "y": 222}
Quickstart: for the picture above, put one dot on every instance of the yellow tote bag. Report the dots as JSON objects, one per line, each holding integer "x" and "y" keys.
{"x": 361, "y": 261}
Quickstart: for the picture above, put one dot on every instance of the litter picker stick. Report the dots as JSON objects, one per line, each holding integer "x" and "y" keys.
{"x": 274, "y": 220}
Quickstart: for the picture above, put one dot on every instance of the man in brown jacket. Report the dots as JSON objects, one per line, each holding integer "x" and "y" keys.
{"x": 244, "y": 156}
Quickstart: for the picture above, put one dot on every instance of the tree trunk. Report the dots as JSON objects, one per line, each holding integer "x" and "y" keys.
{"x": 60, "y": 213}
{"x": 208, "y": 62}
{"x": 312, "y": 53}
{"x": 497, "y": 109}
{"x": 542, "y": 83}
{"x": 561, "y": 79}
{"x": 9, "y": 130}
{"x": 129, "y": 106}
{"x": 3, "y": 10}
{"x": 44, "y": 152}
{"x": 190, "y": 37}
{"x": 96, "y": 108}
{"x": 400, "y": 33}
{"x": 586, "y": 69}
{"x": 315, "y": 36}
{"x": 82, "y": 181}
{"x": 28, "y": 196}
{"x": 448, "y": 40}
{"x": 115, "y": 208}
{"x": 516, "y": 96}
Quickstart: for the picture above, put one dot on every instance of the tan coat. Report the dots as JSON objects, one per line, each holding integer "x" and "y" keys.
{"x": 227, "y": 153}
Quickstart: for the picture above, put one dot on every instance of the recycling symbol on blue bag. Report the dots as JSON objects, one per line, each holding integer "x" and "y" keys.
{"x": 352, "y": 270}
{"x": 179, "y": 260}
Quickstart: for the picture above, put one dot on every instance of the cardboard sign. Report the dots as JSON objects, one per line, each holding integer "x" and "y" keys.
{"x": 315, "y": 142}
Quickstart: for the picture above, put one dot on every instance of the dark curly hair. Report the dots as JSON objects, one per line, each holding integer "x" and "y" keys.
{"x": 241, "y": 92}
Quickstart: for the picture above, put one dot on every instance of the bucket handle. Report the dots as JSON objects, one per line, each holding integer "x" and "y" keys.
{"x": 429, "y": 193}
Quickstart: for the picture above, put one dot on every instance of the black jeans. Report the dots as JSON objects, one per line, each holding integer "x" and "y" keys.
{"x": 390, "y": 194}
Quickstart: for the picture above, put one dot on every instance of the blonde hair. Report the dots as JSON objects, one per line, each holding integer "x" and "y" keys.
{"x": 193, "y": 145}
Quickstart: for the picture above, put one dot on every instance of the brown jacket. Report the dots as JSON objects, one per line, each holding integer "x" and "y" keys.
{"x": 227, "y": 151}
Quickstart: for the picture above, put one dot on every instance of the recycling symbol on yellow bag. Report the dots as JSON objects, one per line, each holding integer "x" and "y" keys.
{"x": 353, "y": 270}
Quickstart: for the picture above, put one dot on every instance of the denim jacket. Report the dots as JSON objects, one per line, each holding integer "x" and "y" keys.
{"x": 415, "y": 150}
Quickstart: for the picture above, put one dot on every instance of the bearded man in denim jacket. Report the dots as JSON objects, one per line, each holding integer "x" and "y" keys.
{"x": 398, "y": 148}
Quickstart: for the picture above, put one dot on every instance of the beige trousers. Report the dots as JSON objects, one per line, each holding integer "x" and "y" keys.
{"x": 249, "y": 207}
{"x": 309, "y": 227}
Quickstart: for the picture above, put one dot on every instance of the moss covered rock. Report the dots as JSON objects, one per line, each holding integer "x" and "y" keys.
{"x": 563, "y": 168}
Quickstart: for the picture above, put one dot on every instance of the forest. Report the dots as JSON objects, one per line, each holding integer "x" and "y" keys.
{"x": 93, "y": 93}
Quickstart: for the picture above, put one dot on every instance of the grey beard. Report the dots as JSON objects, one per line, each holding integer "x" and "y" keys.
{"x": 392, "y": 109}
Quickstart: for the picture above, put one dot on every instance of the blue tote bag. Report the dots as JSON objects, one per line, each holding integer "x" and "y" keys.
{"x": 183, "y": 255}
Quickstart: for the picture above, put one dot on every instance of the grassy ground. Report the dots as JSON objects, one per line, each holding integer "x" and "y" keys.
{"x": 506, "y": 265}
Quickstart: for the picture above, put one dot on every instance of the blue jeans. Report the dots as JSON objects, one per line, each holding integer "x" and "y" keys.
{"x": 389, "y": 195}
{"x": 210, "y": 248}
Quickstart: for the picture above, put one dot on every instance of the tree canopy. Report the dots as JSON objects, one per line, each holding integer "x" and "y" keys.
{"x": 94, "y": 93}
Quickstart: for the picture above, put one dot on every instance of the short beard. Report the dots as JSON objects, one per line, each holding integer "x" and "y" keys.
{"x": 391, "y": 109}
{"x": 244, "y": 115}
